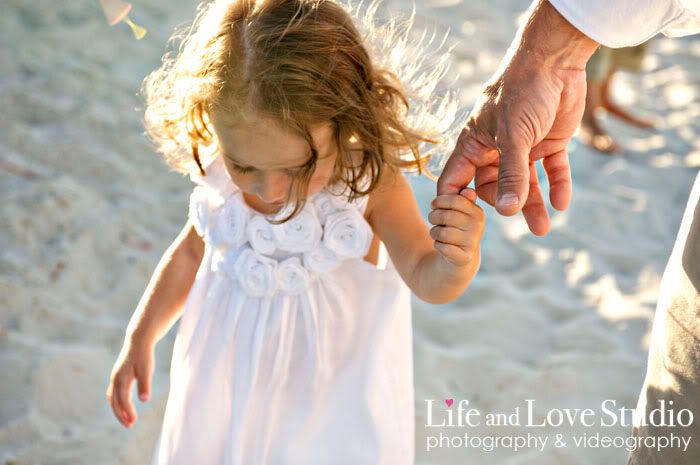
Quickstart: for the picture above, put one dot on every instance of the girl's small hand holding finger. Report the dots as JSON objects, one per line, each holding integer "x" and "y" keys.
{"x": 459, "y": 225}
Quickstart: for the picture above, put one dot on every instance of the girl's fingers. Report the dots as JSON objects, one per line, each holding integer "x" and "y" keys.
{"x": 453, "y": 218}
{"x": 451, "y": 235}
{"x": 469, "y": 225}
{"x": 468, "y": 193}
{"x": 124, "y": 398}
{"x": 116, "y": 407}
{"x": 453, "y": 254}
{"x": 458, "y": 202}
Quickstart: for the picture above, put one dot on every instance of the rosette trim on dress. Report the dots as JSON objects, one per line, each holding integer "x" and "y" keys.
{"x": 317, "y": 240}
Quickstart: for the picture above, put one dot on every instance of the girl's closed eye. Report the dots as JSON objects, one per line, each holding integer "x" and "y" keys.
{"x": 294, "y": 171}
{"x": 247, "y": 169}
{"x": 243, "y": 169}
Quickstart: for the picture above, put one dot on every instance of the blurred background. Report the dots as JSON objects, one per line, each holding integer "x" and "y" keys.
{"x": 88, "y": 207}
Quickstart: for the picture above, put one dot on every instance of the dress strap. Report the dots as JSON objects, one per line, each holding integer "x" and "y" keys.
{"x": 342, "y": 190}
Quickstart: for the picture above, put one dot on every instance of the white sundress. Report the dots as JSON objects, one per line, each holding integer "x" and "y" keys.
{"x": 291, "y": 349}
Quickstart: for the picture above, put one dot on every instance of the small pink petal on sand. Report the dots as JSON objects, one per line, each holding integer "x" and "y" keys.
{"x": 115, "y": 10}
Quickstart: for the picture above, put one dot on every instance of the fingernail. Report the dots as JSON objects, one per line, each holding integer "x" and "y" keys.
{"x": 143, "y": 397}
{"x": 508, "y": 200}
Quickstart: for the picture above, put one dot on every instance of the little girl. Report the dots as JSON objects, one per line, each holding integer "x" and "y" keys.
{"x": 293, "y": 274}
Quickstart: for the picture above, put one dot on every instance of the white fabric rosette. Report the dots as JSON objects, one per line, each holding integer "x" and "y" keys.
{"x": 326, "y": 204}
{"x": 348, "y": 234}
{"x": 199, "y": 209}
{"x": 231, "y": 221}
{"x": 223, "y": 260}
{"x": 260, "y": 235}
{"x": 300, "y": 234}
{"x": 292, "y": 277}
{"x": 256, "y": 273}
{"x": 321, "y": 259}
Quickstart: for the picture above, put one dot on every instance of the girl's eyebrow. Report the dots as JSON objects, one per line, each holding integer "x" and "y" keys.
{"x": 287, "y": 168}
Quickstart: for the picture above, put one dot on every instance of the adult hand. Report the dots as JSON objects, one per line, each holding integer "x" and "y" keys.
{"x": 528, "y": 111}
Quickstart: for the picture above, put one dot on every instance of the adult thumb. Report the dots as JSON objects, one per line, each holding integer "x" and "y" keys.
{"x": 513, "y": 176}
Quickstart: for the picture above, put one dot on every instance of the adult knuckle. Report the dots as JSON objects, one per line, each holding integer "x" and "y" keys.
{"x": 465, "y": 135}
{"x": 509, "y": 176}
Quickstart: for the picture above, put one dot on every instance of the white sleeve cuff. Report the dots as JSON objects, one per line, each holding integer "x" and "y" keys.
{"x": 621, "y": 23}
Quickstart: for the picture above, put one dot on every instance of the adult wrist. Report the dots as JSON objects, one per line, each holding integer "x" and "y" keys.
{"x": 550, "y": 39}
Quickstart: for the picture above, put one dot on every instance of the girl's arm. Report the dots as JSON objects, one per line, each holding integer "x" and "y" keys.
{"x": 437, "y": 271}
{"x": 162, "y": 301}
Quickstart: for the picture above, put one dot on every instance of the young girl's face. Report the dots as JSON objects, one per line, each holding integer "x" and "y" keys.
{"x": 262, "y": 158}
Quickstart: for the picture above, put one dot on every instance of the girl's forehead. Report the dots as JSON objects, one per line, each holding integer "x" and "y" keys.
{"x": 260, "y": 142}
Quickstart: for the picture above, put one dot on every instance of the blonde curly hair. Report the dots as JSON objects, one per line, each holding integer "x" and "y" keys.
{"x": 303, "y": 62}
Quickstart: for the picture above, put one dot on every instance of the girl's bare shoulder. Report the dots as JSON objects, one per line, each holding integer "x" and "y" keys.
{"x": 392, "y": 189}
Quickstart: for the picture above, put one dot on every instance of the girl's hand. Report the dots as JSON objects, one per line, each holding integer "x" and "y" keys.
{"x": 135, "y": 361}
{"x": 459, "y": 226}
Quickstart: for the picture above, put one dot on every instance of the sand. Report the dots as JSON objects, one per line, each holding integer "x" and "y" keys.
{"x": 88, "y": 208}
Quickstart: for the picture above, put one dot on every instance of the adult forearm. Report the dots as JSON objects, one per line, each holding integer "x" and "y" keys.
{"x": 437, "y": 281}
{"x": 162, "y": 301}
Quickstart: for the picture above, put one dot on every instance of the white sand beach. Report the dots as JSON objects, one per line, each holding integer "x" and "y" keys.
{"x": 89, "y": 207}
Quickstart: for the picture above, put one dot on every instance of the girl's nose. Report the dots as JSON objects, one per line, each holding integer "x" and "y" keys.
{"x": 272, "y": 187}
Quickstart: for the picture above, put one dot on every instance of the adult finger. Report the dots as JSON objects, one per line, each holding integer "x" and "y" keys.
{"x": 513, "y": 172}
{"x": 559, "y": 177}
{"x": 486, "y": 183}
{"x": 535, "y": 210}
{"x": 459, "y": 169}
